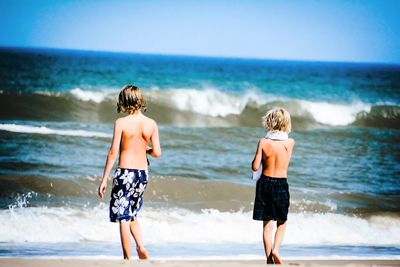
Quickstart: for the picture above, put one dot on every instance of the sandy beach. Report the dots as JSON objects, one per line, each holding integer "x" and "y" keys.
{"x": 187, "y": 263}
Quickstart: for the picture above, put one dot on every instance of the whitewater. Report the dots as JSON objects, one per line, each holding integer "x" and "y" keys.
{"x": 172, "y": 225}
{"x": 215, "y": 103}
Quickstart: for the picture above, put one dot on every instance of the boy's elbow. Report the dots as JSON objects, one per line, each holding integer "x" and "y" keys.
{"x": 254, "y": 167}
{"x": 112, "y": 154}
{"x": 156, "y": 154}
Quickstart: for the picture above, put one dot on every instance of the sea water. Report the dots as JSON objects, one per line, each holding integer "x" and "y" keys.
{"x": 57, "y": 109}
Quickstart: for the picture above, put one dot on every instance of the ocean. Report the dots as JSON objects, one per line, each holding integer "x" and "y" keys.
{"x": 57, "y": 109}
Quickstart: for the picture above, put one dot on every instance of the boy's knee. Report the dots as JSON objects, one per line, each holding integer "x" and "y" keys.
{"x": 269, "y": 224}
{"x": 280, "y": 222}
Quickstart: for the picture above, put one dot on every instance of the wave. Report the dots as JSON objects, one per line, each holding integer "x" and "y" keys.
{"x": 383, "y": 116}
{"x": 166, "y": 191}
{"x": 215, "y": 103}
{"x": 48, "y": 131}
{"x": 27, "y": 190}
{"x": 95, "y": 96}
{"x": 194, "y": 107}
{"x": 208, "y": 102}
{"x": 174, "y": 225}
{"x": 185, "y": 193}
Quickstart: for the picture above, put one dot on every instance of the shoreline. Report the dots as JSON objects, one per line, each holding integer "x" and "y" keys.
{"x": 63, "y": 262}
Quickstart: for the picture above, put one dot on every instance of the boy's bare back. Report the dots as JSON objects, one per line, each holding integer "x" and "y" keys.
{"x": 276, "y": 156}
{"x": 137, "y": 131}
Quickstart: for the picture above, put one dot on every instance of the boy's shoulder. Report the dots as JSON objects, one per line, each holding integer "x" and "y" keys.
{"x": 149, "y": 120}
{"x": 119, "y": 121}
{"x": 268, "y": 141}
{"x": 125, "y": 122}
{"x": 126, "y": 119}
{"x": 265, "y": 142}
{"x": 122, "y": 120}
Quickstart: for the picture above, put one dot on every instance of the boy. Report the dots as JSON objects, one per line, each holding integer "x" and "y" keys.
{"x": 272, "y": 190}
{"x": 132, "y": 135}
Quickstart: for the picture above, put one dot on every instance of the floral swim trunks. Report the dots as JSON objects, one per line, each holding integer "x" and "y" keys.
{"x": 126, "y": 194}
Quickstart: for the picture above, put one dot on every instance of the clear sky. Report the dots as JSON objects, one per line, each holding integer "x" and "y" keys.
{"x": 341, "y": 30}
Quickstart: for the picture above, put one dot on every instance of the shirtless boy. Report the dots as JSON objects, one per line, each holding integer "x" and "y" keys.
{"x": 272, "y": 190}
{"x": 132, "y": 134}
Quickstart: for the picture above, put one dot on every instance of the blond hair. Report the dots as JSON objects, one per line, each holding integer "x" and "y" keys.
{"x": 130, "y": 99}
{"x": 277, "y": 119}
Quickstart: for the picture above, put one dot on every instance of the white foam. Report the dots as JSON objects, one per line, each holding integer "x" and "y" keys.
{"x": 41, "y": 224}
{"x": 95, "y": 96}
{"x": 44, "y": 130}
{"x": 208, "y": 101}
{"x": 302, "y": 204}
{"x": 47, "y": 93}
{"x": 334, "y": 114}
{"x": 213, "y": 102}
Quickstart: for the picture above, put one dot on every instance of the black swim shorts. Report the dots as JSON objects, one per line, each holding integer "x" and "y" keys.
{"x": 272, "y": 199}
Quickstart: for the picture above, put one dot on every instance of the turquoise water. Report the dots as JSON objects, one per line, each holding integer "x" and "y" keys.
{"x": 56, "y": 116}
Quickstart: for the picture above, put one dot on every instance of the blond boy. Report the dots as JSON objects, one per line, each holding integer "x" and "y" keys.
{"x": 132, "y": 134}
{"x": 272, "y": 191}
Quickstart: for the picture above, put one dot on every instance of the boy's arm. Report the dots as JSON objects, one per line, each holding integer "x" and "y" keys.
{"x": 155, "y": 151}
{"x": 111, "y": 157}
{"x": 257, "y": 157}
{"x": 293, "y": 142}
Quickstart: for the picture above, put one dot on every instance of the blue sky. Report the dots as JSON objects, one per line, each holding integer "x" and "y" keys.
{"x": 302, "y": 30}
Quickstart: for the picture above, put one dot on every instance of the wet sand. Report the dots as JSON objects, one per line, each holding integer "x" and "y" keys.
{"x": 7, "y": 262}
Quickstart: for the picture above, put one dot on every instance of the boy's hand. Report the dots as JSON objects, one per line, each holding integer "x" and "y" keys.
{"x": 102, "y": 189}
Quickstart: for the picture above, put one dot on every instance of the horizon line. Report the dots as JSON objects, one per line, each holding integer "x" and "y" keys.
{"x": 203, "y": 56}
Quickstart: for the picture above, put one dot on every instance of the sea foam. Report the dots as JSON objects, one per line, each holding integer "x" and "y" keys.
{"x": 209, "y": 101}
{"x": 87, "y": 95}
{"x": 334, "y": 114}
{"x": 216, "y": 103}
{"x": 44, "y": 130}
{"x": 173, "y": 225}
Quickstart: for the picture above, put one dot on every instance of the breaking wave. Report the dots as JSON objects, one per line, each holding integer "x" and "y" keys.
{"x": 48, "y": 131}
{"x": 193, "y": 107}
{"x": 174, "y": 225}
{"x": 164, "y": 220}
{"x": 173, "y": 191}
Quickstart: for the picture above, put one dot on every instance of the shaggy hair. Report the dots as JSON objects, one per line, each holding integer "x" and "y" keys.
{"x": 277, "y": 119}
{"x": 130, "y": 99}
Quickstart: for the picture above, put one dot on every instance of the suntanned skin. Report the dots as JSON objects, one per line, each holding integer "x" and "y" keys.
{"x": 132, "y": 134}
{"x": 275, "y": 157}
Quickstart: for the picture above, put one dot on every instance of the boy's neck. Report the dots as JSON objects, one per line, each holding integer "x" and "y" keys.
{"x": 136, "y": 113}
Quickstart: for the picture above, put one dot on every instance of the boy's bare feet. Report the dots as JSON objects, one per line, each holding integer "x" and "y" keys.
{"x": 270, "y": 260}
{"x": 142, "y": 253}
{"x": 277, "y": 259}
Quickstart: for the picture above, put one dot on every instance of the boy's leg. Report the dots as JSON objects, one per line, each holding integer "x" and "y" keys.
{"x": 125, "y": 239}
{"x": 280, "y": 231}
{"x": 267, "y": 237}
{"x": 137, "y": 235}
